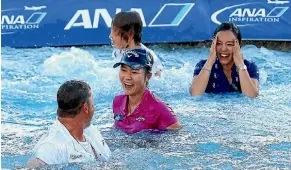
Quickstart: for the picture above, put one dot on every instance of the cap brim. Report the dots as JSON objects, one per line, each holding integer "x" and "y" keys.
{"x": 116, "y": 65}
{"x": 133, "y": 65}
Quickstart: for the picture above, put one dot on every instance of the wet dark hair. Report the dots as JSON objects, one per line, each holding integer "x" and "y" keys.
{"x": 127, "y": 22}
{"x": 71, "y": 96}
{"x": 229, "y": 27}
{"x": 147, "y": 72}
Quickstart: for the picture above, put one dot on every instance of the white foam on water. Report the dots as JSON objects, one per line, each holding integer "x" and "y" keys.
{"x": 75, "y": 61}
{"x": 31, "y": 78}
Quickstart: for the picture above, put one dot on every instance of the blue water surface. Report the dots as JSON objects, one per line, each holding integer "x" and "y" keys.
{"x": 225, "y": 131}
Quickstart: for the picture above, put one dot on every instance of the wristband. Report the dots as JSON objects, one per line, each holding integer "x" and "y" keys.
{"x": 242, "y": 67}
{"x": 206, "y": 69}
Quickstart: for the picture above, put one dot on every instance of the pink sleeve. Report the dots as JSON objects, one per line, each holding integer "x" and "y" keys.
{"x": 166, "y": 117}
{"x": 113, "y": 105}
{"x": 116, "y": 105}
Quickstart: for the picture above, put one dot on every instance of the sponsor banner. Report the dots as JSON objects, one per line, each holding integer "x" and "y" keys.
{"x": 257, "y": 19}
{"x": 87, "y": 22}
{"x": 37, "y": 23}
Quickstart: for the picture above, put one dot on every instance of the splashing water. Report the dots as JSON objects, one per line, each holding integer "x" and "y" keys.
{"x": 227, "y": 131}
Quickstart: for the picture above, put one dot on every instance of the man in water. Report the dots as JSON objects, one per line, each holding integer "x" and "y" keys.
{"x": 71, "y": 138}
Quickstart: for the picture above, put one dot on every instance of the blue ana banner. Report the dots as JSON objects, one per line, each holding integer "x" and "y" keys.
{"x": 257, "y": 19}
{"x": 35, "y": 23}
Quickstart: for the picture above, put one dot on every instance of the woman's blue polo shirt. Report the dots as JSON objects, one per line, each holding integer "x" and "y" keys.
{"x": 218, "y": 82}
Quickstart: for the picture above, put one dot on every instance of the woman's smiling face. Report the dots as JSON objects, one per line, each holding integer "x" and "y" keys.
{"x": 224, "y": 47}
{"x": 132, "y": 81}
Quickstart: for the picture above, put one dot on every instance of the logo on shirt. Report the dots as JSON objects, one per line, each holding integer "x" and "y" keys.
{"x": 140, "y": 119}
{"x": 74, "y": 157}
{"x": 118, "y": 117}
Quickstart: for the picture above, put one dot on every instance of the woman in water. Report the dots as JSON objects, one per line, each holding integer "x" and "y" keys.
{"x": 138, "y": 109}
{"x": 226, "y": 70}
{"x": 126, "y": 33}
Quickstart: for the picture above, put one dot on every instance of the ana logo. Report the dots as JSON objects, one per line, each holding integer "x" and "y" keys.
{"x": 16, "y": 19}
{"x": 247, "y": 14}
{"x": 161, "y": 19}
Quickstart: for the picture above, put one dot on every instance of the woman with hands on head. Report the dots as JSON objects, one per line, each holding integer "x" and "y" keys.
{"x": 225, "y": 70}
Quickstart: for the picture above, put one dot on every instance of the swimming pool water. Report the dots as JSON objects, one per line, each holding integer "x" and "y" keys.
{"x": 227, "y": 131}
